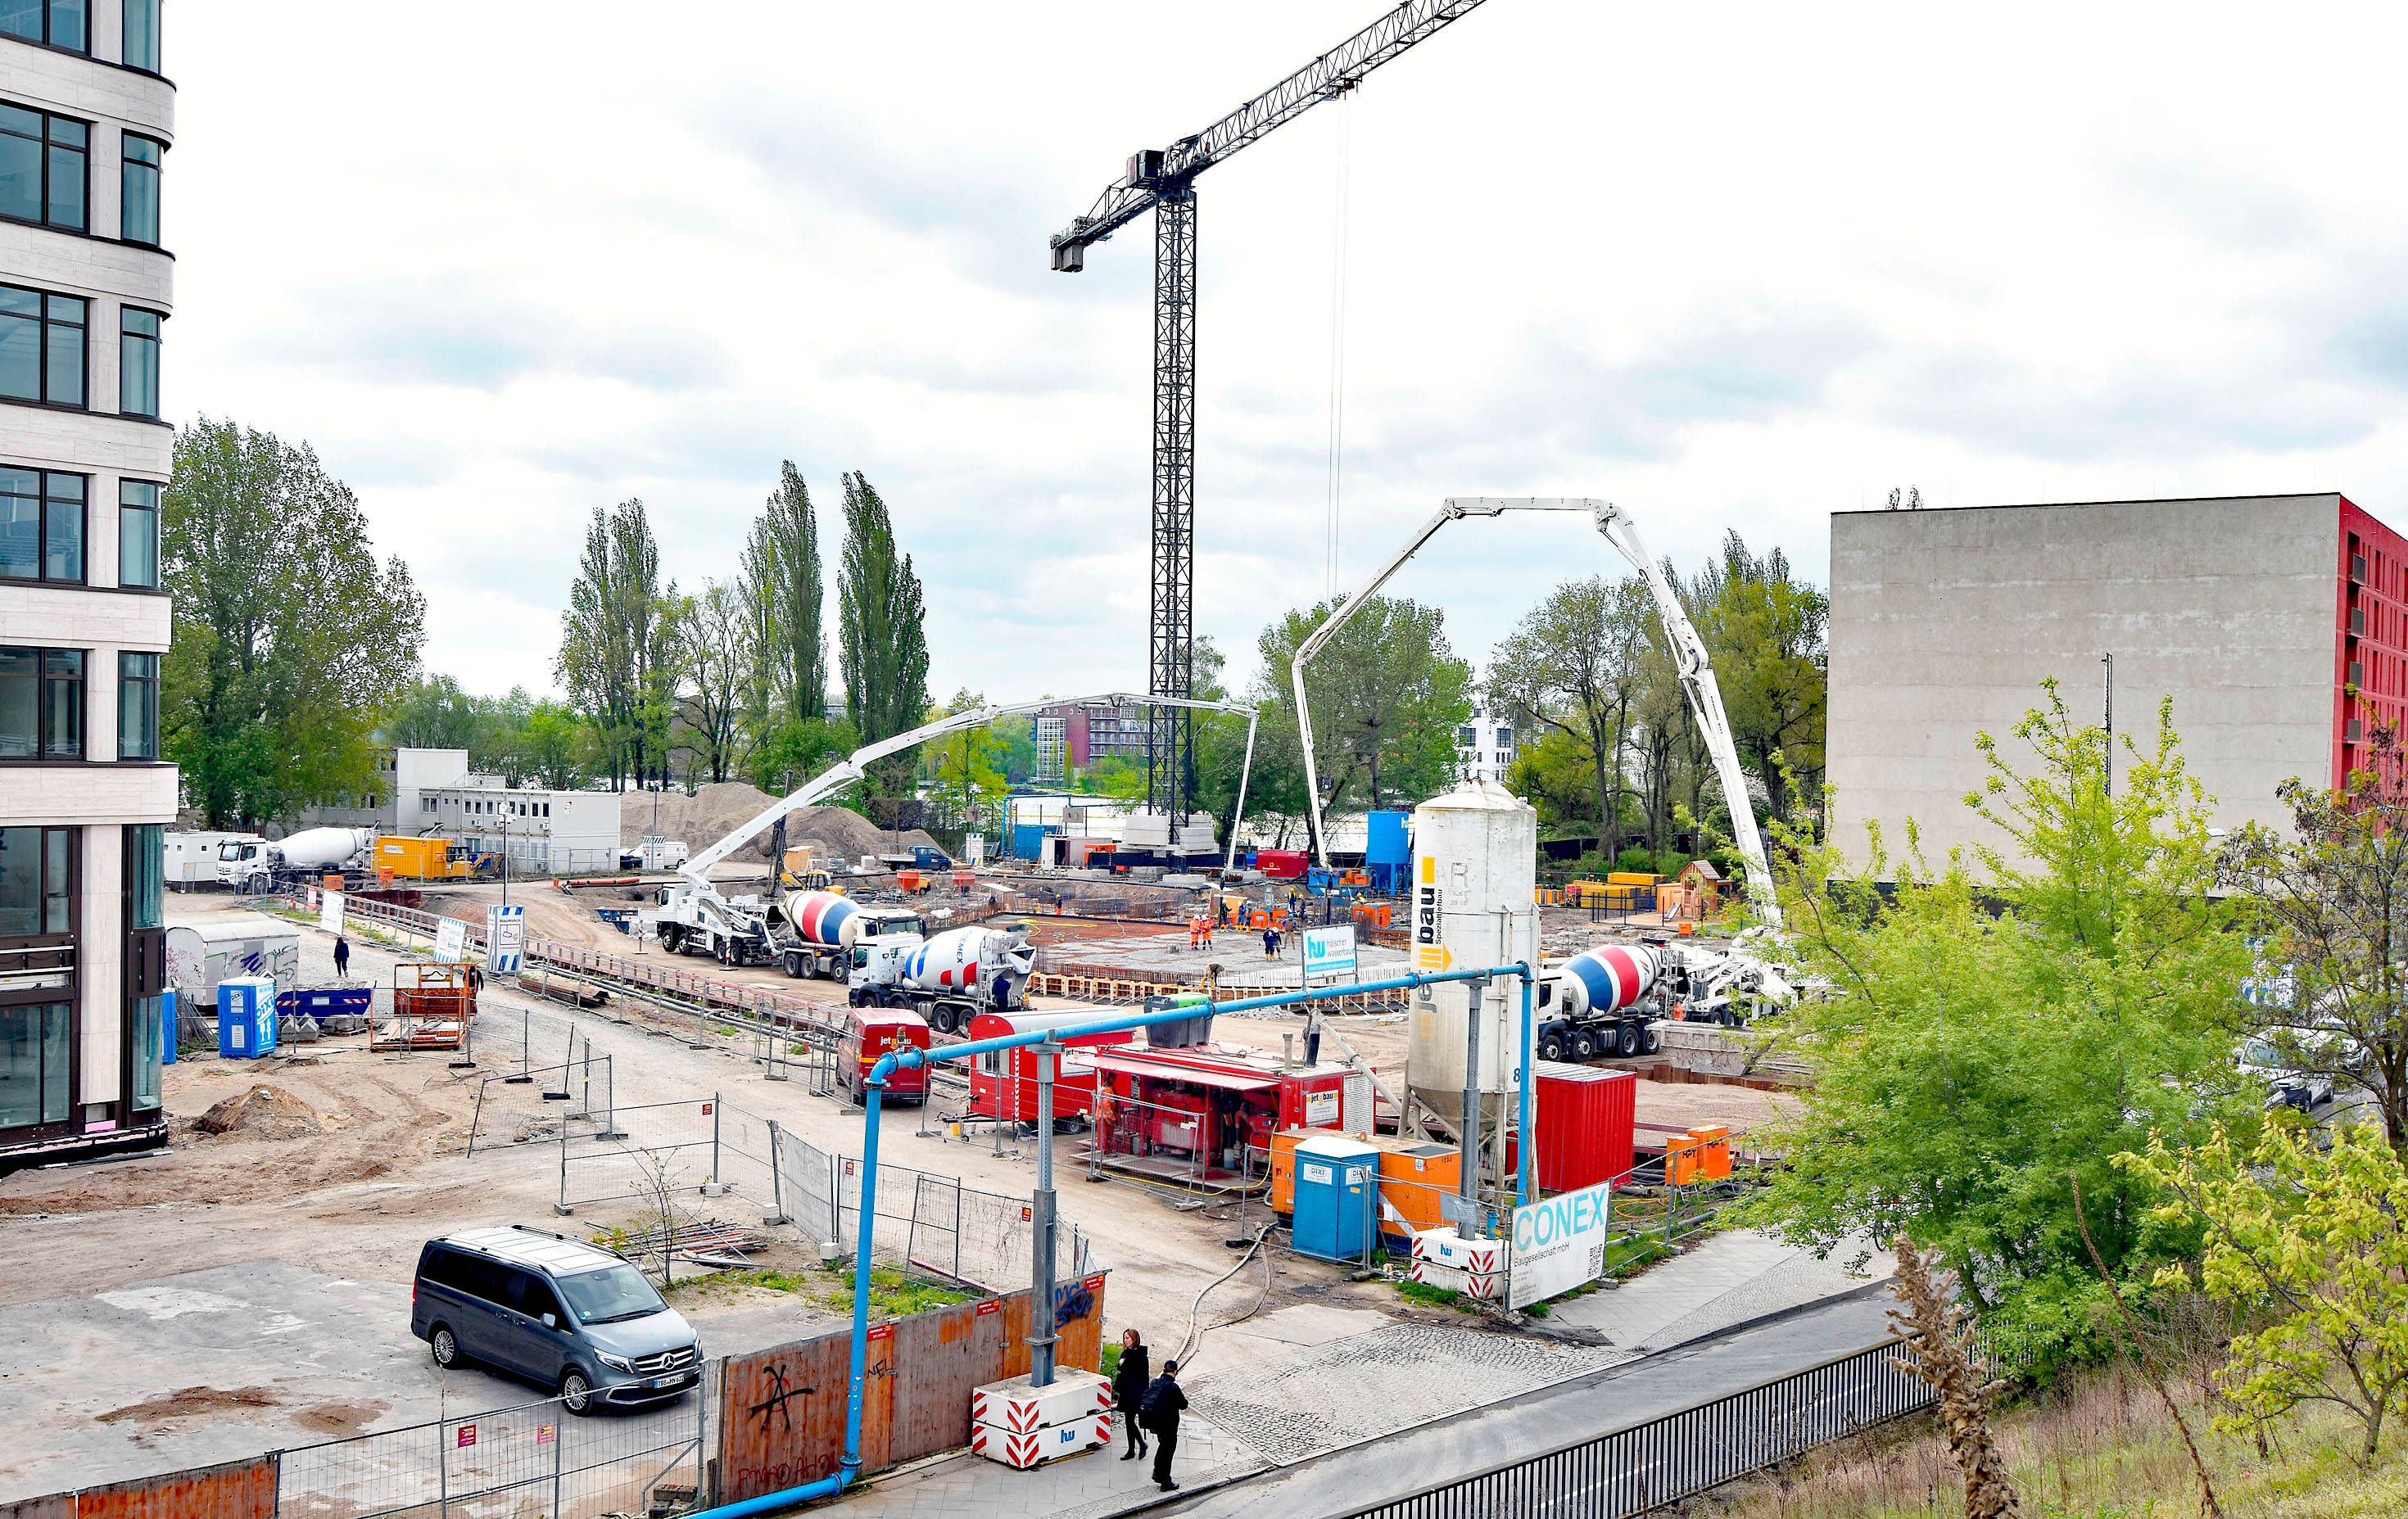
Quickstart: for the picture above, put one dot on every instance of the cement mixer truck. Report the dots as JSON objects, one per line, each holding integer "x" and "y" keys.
{"x": 947, "y": 980}
{"x": 1600, "y": 1002}
{"x": 319, "y": 851}
{"x": 812, "y": 933}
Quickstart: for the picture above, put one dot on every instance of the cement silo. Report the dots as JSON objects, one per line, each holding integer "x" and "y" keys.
{"x": 1475, "y": 865}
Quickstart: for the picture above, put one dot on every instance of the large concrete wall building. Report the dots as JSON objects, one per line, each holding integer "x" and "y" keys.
{"x": 85, "y": 287}
{"x": 2255, "y": 614}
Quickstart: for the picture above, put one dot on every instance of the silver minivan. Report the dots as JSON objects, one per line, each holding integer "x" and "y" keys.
{"x": 569, "y": 1317}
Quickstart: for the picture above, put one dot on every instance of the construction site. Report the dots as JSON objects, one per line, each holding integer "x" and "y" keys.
{"x": 1366, "y": 1138}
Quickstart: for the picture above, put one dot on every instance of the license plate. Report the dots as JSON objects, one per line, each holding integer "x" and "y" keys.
{"x": 659, "y": 1382}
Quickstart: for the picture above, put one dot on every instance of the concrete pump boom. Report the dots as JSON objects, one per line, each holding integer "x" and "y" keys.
{"x": 1696, "y": 674}
{"x": 852, "y": 766}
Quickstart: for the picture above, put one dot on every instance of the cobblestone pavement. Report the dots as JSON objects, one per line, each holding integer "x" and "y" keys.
{"x": 1346, "y": 1391}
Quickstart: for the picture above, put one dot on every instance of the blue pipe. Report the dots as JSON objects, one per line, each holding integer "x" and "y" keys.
{"x": 1522, "y": 1189}
{"x": 849, "y": 1468}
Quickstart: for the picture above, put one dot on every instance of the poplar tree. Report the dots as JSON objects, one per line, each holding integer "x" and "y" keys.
{"x": 880, "y": 642}
{"x": 619, "y": 643}
{"x": 784, "y": 603}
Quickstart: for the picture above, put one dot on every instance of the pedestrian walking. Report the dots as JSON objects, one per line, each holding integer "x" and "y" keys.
{"x": 1161, "y": 1408}
{"x": 342, "y": 958}
{"x": 1130, "y": 1380}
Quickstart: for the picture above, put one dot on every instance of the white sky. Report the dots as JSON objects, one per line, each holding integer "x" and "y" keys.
{"x": 1736, "y": 266}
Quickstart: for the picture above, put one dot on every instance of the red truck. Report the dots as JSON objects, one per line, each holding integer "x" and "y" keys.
{"x": 873, "y": 1033}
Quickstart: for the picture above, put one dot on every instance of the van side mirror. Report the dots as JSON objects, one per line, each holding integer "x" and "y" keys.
{"x": 549, "y": 1322}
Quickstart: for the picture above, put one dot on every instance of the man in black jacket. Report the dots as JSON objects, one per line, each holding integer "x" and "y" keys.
{"x": 1163, "y": 1404}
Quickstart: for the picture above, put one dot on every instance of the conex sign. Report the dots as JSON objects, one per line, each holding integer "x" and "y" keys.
{"x": 1559, "y": 1244}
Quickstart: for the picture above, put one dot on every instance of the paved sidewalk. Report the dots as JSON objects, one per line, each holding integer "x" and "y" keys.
{"x": 1088, "y": 1487}
{"x": 1725, "y": 1280}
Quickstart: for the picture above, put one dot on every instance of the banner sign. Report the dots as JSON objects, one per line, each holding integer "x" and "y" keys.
{"x": 330, "y": 910}
{"x": 451, "y": 939}
{"x": 505, "y": 938}
{"x": 1559, "y": 1244}
{"x": 1329, "y": 951}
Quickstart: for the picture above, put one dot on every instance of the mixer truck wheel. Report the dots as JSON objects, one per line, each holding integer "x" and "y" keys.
{"x": 1551, "y": 1047}
{"x": 1626, "y": 1040}
{"x": 1650, "y": 1040}
{"x": 1584, "y": 1045}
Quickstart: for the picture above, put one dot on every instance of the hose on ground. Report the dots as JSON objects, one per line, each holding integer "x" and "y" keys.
{"x": 1194, "y": 1334}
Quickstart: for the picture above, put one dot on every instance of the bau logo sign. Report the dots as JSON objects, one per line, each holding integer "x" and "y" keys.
{"x": 1429, "y": 902}
{"x": 1560, "y": 1243}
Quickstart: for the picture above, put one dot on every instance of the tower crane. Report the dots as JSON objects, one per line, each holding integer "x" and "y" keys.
{"x": 1163, "y": 181}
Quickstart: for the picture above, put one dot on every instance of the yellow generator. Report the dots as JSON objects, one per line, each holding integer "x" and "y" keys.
{"x": 424, "y": 857}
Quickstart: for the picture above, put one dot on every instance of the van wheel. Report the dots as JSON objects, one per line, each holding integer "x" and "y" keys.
{"x": 446, "y": 1346}
{"x": 576, "y": 1393}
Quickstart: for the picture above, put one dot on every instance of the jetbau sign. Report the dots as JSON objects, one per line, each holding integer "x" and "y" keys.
{"x": 1429, "y": 901}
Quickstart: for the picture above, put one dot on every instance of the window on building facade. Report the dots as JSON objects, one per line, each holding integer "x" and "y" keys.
{"x": 137, "y": 362}
{"x": 41, "y": 703}
{"x": 35, "y": 1064}
{"x": 37, "y": 883}
{"x": 41, "y": 346}
{"x": 1465, "y": 737}
{"x": 41, "y": 525}
{"x": 141, "y": 49}
{"x": 139, "y": 189}
{"x": 62, "y": 24}
{"x": 45, "y": 168}
{"x": 137, "y": 707}
{"x": 138, "y": 533}
{"x": 145, "y": 884}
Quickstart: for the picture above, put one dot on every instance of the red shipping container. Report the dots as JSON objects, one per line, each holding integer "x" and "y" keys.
{"x": 1282, "y": 864}
{"x": 1003, "y": 1083}
{"x": 1586, "y": 1117}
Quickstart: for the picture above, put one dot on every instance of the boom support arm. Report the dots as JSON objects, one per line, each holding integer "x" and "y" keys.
{"x": 1332, "y": 74}
{"x": 1695, "y": 673}
{"x": 853, "y": 766}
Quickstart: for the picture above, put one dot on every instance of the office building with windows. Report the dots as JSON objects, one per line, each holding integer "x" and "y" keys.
{"x": 1484, "y": 746}
{"x": 86, "y": 118}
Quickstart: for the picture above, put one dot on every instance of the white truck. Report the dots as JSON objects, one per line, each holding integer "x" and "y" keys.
{"x": 947, "y": 980}
{"x": 240, "y": 860}
{"x": 812, "y": 933}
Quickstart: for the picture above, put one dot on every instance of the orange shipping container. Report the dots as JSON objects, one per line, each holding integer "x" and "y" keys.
{"x": 1413, "y": 1173}
{"x": 1714, "y": 1151}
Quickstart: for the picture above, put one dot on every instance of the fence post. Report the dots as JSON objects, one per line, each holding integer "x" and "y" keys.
{"x": 443, "y": 1469}
{"x": 562, "y": 1205}
{"x": 777, "y": 1187}
{"x": 715, "y": 1105}
{"x": 559, "y": 1437}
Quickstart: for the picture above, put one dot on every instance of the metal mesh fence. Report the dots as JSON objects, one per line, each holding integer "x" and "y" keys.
{"x": 657, "y": 1151}
{"x": 535, "y": 1459}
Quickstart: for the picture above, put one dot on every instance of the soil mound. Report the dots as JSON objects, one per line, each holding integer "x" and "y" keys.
{"x": 700, "y": 819}
{"x": 263, "y": 1112}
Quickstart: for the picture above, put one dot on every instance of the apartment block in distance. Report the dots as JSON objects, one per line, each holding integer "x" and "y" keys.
{"x": 86, "y": 118}
{"x": 2278, "y": 624}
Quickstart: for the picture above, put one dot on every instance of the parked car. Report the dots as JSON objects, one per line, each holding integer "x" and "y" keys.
{"x": 571, "y": 1318}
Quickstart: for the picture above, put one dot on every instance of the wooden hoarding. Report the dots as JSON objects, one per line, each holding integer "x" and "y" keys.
{"x": 782, "y": 1411}
{"x": 236, "y": 1490}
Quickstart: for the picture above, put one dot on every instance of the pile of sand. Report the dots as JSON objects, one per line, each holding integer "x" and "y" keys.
{"x": 700, "y": 819}
{"x": 263, "y": 1112}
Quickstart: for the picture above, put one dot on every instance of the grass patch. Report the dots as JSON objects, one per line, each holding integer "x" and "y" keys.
{"x": 1632, "y": 1254}
{"x": 1422, "y": 1292}
{"x": 1109, "y": 1361}
{"x": 2100, "y": 1447}
{"x": 892, "y": 1294}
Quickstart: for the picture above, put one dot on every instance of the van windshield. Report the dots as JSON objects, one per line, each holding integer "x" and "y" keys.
{"x": 610, "y": 1295}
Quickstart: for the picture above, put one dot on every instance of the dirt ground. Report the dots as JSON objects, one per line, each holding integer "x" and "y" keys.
{"x": 714, "y": 810}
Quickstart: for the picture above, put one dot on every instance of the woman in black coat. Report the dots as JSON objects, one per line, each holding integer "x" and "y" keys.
{"x": 1130, "y": 1380}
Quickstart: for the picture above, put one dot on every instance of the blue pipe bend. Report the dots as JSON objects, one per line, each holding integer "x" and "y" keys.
{"x": 849, "y": 1470}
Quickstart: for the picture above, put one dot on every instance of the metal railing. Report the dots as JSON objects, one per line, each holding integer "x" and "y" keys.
{"x": 1653, "y": 1465}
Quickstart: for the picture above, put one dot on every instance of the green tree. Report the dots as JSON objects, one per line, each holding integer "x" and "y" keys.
{"x": 782, "y": 590}
{"x": 963, "y": 767}
{"x": 1388, "y": 696}
{"x": 796, "y": 750}
{"x": 433, "y": 713}
{"x": 556, "y": 746}
{"x": 1769, "y": 635}
{"x": 291, "y": 641}
{"x": 1575, "y": 666}
{"x": 2003, "y": 1022}
{"x": 2307, "y": 1235}
{"x": 2330, "y": 901}
{"x": 880, "y": 642}
{"x": 618, "y": 645}
{"x": 718, "y": 660}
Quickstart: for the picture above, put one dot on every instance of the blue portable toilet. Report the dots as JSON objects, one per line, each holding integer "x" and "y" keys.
{"x": 1337, "y": 1191}
{"x": 167, "y": 1027}
{"x": 246, "y": 1017}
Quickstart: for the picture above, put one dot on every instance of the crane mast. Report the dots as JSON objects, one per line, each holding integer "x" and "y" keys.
{"x": 1163, "y": 181}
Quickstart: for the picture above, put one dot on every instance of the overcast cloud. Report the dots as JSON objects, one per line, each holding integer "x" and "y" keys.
{"x": 1739, "y": 265}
